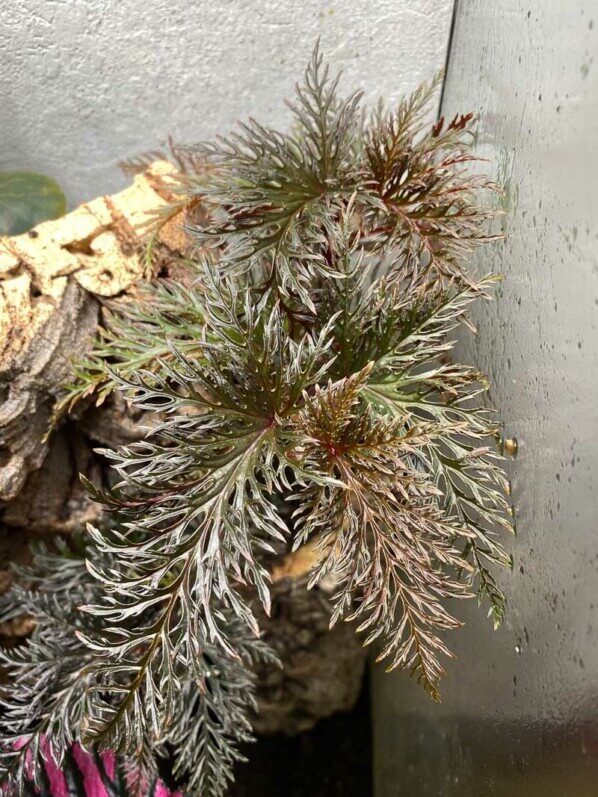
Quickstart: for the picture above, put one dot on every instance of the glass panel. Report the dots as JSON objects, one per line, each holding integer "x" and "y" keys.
{"x": 520, "y": 705}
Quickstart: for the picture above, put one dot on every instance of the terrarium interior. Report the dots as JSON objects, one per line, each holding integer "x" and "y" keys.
{"x": 306, "y": 426}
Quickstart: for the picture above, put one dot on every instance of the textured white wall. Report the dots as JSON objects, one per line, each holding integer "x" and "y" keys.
{"x": 519, "y": 716}
{"x": 84, "y": 83}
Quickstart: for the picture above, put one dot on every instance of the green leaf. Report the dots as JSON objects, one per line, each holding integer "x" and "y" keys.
{"x": 26, "y": 199}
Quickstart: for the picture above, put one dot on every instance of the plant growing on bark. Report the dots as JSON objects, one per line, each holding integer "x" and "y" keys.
{"x": 309, "y": 361}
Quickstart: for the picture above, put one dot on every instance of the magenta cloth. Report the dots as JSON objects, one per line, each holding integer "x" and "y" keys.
{"x": 56, "y": 778}
{"x": 91, "y": 776}
{"x": 89, "y": 773}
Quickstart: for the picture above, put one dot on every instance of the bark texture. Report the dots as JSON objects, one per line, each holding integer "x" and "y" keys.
{"x": 52, "y": 283}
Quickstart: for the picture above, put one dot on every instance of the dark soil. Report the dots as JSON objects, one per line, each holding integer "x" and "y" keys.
{"x": 333, "y": 759}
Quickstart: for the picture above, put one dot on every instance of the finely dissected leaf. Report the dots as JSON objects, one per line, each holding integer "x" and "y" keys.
{"x": 425, "y": 193}
{"x": 271, "y": 187}
{"x": 380, "y": 530}
{"x": 137, "y": 335}
{"x": 41, "y": 713}
{"x": 194, "y": 505}
{"x": 212, "y": 718}
{"x": 411, "y": 382}
{"x": 311, "y": 359}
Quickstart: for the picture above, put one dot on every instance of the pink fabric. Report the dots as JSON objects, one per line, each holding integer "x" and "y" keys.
{"x": 162, "y": 791}
{"x": 93, "y": 780}
{"x": 109, "y": 760}
{"x": 91, "y": 777}
{"x": 28, "y": 758}
{"x": 58, "y": 787}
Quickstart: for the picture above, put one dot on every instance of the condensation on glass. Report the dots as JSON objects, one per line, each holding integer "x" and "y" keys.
{"x": 520, "y": 705}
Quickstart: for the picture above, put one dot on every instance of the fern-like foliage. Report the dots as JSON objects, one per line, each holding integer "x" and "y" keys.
{"x": 271, "y": 187}
{"x": 136, "y": 336}
{"x": 312, "y": 360}
{"x": 41, "y": 714}
{"x": 60, "y": 689}
{"x": 378, "y": 525}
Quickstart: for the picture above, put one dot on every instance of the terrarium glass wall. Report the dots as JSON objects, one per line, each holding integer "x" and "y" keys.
{"x": 86, "y": 84}
{"x": 520, "y": 705}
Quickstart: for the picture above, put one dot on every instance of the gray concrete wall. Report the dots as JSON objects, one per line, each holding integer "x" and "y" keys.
{"x": 520, "y": 709}
{"x": 85, "y": 83}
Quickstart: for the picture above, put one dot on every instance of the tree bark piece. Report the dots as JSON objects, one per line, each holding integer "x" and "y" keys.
{"x": 49, "y": 280}
{"x": 322, "y": 668}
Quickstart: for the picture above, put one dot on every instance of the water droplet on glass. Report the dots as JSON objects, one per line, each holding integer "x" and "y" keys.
{"x": 510, "y": 446}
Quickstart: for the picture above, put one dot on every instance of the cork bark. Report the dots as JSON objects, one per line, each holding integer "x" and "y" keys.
{"x": 53, "y": 281}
